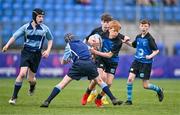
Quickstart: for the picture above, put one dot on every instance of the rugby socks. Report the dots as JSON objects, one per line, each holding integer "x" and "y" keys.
{"x": 129, "y": 91}
{"x": 53, "y": 94}
{"x": 153, "y": 87}
{"x": 99, "y": 96}
{"x": 32, "y": 85}
{"x": 17, "y": 87}
{"x": 106, "y": 89}
{"x": 88, "y": 91}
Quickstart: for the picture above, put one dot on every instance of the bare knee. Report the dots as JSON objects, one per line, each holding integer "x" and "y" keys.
{"x": 145, "y": 86}
{"x": 130, "y": 80}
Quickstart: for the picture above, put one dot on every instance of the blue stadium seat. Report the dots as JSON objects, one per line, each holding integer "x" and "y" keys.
{"x": 177, "y": 49}
{"x": 156, "y": 13}
{"x": 130, "y": 13}
{"x": 168, "y": 13}
{"x": 162, "y": 48}
{"x": 177, "y": 13}
{"x": 148, "y": 12}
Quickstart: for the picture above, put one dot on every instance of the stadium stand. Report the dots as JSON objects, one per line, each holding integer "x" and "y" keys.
{"x": 67, "y": 16}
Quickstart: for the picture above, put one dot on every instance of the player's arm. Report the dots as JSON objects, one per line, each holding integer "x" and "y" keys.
{"x": 17, "y": 34}
{"x": 102, "y": 54}
{"x": 153, "y": 47}
{"x": 11, "y": 41}
{"x": 131, "y": 44}
{"x": 67, "y": 55}
{"x": 49, "y": 37}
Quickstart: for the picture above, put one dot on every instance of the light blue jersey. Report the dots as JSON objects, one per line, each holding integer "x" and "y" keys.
{"x": 34, "y": 37}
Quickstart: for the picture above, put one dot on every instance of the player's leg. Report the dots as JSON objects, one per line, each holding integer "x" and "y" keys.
{"x": 146, "y": 71}
{"x": 88, "y": 92}
{"x": 101, "y": 95}
{"x": 129, "y": 88}
{"x": 93, "y": 94}
{"x": 106, "y": 89}
{"x": 155, "y": 88}
{"x": 34, "y": 61}
{"x": 32, "y": 82}
{"x": 18, "y": 84}
{"x": 57, "y": 89}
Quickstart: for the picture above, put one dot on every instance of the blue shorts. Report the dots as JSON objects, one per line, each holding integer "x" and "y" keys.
{"x": 83, "y": 68}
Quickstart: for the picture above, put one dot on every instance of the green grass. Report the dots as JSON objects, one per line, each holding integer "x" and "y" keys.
{"x": 67, "y": 102}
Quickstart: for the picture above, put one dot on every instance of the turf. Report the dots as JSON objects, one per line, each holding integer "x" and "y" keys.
{"x": 145, "y": 102}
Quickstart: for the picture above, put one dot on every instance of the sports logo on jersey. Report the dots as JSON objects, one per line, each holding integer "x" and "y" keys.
{"x": 112, "y": 70}
{"x": 132, "y": 69}
{"x": 141, "y": 75}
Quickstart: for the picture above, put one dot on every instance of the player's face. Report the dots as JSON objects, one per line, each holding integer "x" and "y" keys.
{"x": 113, "y": 33}
{"x": 105, "y": 25}
{"x": 39, "y": 19}
{"x": 144, "y": 28}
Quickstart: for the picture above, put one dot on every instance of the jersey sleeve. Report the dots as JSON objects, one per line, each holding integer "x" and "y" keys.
{"x": 134, "y": 43}
{"x": 67, "y": 53}
{"x": 121, "y": 36}
{"x": 49, "y": 34}
{"x": 19, "y": 32}
{"x": 152, "y": 43}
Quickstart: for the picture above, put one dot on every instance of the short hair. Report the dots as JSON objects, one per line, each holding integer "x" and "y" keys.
{"x": 145, "y": 22}
{"x": 106, "y": 17}
{"x": 68, "y": 37}
{"x": 115, "y": 24}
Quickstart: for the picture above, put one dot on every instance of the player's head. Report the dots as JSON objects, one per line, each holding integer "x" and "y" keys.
{"x": 114, "y": 28}
{"x": 38, "y": 15}
{"x": 105, "y": 19}
{"x": 144, "y": 26}
{"x": 68, "y": 37}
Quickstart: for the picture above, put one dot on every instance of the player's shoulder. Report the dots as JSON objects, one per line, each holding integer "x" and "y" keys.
{"x": 44, "y": 26}
{"x": 120, "y": 36}
{"x": 97, "y": 30}
{"x": 139, "y": 35}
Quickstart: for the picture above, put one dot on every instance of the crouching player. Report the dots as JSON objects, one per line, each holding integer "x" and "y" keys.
{"x": 82, "y": 66}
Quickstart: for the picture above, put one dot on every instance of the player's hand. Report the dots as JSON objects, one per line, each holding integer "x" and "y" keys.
{"x": 126, "y": 39}
{"x": 5, "y": 48}
{"x": 148, "y": 57}
{"x": 45, "y": 54}
{"x": 93, "y": 51}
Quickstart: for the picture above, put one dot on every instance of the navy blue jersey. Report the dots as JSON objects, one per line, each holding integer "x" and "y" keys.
{"x": 75, "y": 50}
{"x": 113, "y": 45}
{"x": 144, "y": 46}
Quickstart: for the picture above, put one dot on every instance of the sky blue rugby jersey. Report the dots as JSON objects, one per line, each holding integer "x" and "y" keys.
{"x": 144, "y": 46}
{"x": 34, "y": 38}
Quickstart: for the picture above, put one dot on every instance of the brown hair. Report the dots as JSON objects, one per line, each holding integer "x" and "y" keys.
{"x": 115, "y": 24}
{"x": 145, "y": 22}
{"x": 106, "y": 17}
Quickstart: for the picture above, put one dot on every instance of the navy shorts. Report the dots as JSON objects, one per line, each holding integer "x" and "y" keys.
{"x": 142, "y": 70}
{"x": 107, "y": 66}
{"x": 30, "y": 59}
{"x": 83, "y": 68}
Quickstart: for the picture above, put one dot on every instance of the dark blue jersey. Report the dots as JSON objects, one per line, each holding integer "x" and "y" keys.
{"x": 113, "y": 45}
{"x": 75, "y": 50}
{"x": 144, "y": 46}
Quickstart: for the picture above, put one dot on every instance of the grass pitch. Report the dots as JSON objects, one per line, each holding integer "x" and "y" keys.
{"x": 145, "y": 102}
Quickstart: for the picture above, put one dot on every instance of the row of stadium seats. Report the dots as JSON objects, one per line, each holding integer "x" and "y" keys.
{"x": 67, "y": 16}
